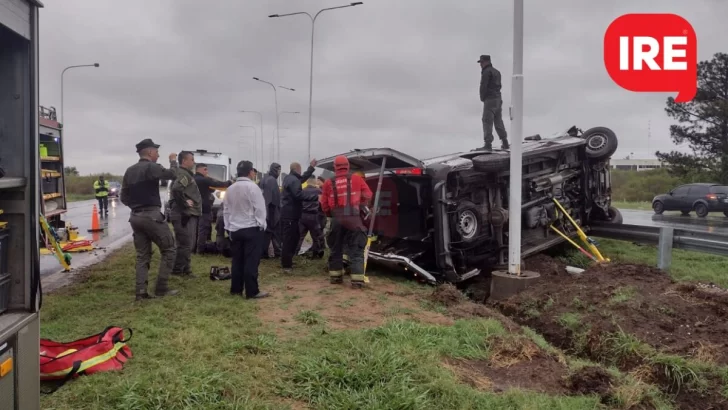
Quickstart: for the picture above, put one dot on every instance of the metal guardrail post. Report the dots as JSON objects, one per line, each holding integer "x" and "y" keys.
{"x": 664, "y": 248}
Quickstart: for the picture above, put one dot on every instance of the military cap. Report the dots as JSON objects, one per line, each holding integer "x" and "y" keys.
{"x": 484, "y": 57}
{"x": 146, "y": 143}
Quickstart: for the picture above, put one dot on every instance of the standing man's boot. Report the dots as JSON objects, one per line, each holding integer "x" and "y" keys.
{"x": 504, "y": 144}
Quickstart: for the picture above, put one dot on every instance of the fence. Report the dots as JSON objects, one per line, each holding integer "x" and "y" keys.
{"x": 666, "y": 238}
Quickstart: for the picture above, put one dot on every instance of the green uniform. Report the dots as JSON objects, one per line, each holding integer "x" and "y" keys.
{"x": 140, "y": 192}
{"x": 184, "y": 218}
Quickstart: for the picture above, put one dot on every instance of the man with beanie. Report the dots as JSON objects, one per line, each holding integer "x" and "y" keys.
{"x": 292, "y": 199}
{"x": 342, "y": 198}
{"x": 272, "y": 194}
{"x": 245, "y": 220}
{"x": 490, "y": 96}
{"x": 310, "y": 221}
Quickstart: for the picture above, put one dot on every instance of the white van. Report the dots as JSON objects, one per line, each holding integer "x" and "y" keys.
{"x": 218, "y": 167}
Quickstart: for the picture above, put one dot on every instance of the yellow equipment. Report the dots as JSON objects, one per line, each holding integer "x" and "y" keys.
{"x": 589, "y": 242}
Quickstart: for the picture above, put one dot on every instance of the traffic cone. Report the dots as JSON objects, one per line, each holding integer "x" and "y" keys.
{"x": 95, "y": 221}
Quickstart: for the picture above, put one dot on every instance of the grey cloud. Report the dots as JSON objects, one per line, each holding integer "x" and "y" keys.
{"x": 395, "y": 73}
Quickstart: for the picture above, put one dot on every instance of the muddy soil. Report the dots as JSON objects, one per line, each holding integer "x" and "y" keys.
{"x": 584, "y": 314}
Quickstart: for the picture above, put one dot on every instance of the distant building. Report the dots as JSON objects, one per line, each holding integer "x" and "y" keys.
{"x": 636, "y": 164}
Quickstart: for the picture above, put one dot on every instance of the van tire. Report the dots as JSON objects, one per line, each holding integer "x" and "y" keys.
{"x": 491, "y": 163}
{"x": 601, "y": 142}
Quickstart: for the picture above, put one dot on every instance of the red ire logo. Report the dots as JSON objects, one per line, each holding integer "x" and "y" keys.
{"x": 653, "y": 52}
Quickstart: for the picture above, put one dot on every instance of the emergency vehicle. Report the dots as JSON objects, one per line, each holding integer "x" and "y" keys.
{"x": 218, "y": 167}
{"x": 53, "y": 188}
{"x": 21, "y": 204}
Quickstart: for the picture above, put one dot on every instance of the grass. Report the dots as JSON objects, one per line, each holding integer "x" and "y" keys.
{"x": 78, "y": 197}
{"x": 205, "y": 349}
{"x": 686, "y": 265}
{"x": 642, "y": 206}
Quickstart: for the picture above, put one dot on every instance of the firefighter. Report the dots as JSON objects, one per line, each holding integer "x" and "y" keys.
{"x": 140, "y": 192}
{"x": 186, "y": 210}
{"x": 101, "y": 190}
{"x": 347, "y": 266}
{"x": 342, "y": 197}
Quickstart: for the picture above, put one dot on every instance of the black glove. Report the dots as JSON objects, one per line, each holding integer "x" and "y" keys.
{"x": 185, "y": 219}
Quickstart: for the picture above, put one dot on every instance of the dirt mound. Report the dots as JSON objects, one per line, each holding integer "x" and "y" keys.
{"x": 637, "y": 318}
{"x": 545, "y": 265}
{"x": 634, "y": 299}
{"x": 460, "y": 307}
{"x": 591, "y": 380}
{"x": 447, "y": 295}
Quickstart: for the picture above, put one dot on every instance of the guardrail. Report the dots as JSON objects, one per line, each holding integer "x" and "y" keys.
{"x": 666, "y": 238}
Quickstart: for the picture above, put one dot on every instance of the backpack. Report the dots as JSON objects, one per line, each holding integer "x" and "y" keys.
{"x": 101, "y": 352}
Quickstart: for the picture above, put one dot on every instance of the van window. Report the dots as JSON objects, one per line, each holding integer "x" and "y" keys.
{"x": 218, "y": 172}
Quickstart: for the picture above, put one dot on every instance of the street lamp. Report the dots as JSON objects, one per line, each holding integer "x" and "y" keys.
{"x": 255, "y": 142}
{"x": 310, "y": 81}
{"x": 275, "y": 94}
{"x": 260, "y": 116}
{"x": 514, "y": 201}
{"x": 62, "y": 74}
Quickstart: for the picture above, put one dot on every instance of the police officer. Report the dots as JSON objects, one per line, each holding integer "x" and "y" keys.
{"x": 206, "y": 185}
{"x": 140, "y": 192}
{"x": 342, "y": 198}
{"x": 101, "y": 191}
{"x": 490, "y": 95}
{"x": 186, "y": 210}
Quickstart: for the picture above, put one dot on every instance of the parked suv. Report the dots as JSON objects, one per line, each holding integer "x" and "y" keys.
{"x": 702, "y": 198}
{"x": 446, "y": 218}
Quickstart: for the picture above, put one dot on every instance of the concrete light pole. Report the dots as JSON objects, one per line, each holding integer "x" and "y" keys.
{"x": 260, "y": 116}
{"x": 255, "y": 143}
{"x": 310, "y": 80}
{"x": 62, "y": 74}
{"x": 275, "y": 94}
{"x": 514, "y": 201}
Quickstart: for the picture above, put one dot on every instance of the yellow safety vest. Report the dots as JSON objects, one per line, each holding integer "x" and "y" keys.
{"x": 101, "y": 191}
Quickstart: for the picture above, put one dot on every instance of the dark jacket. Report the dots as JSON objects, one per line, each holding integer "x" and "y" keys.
{"x": 140, "y": 186}
{"x": 490, "y": 83}
{"x": 184, "y": 188}
{"x": 272, "y": 196}
{"x": 311, "y": 206}
{"x": 204, "y": 184}
{"x": 293, "y": 196}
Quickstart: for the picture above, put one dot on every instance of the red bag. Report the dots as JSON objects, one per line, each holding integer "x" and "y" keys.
{"x": 98, "y": 353}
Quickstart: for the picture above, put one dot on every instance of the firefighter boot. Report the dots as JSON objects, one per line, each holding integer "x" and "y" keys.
{"x": 357, "y": 281}
{"x": 336, "y": 277}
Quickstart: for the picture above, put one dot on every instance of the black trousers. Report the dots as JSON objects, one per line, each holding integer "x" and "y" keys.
{"x": 291, "y": 235}
{"x": 103, "y": 203}
{"x": 246, "y": 244}
{"x": 310, "y": 223}
{"x": 204, "y": 230}
{"x": 272, "y": 236}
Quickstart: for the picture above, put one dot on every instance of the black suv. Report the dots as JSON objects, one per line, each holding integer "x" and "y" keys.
{"x": 446, "y": 218}
{"x": 702, "y": 198}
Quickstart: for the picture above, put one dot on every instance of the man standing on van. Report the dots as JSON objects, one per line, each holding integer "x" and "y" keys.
{"x": 101, "y": 191}
{"x": 140, "y": 192}
{"x": 490, "y": 95}
{"x": 186, "y": 210}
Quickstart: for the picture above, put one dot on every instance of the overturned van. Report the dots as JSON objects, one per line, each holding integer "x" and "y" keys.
{"x": 446, "y": 218}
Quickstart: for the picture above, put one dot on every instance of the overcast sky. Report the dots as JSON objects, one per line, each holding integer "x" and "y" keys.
{"x": 394, "y": 73}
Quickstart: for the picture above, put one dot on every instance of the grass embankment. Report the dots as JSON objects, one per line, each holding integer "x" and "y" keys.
{"x": 316, "y": 345}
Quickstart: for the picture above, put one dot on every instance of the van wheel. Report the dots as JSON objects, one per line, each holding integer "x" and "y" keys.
{"x": 701, "y": 210}
{"x": 601, "y": 142}
{"x": 491, "y": 163}
{"x": 615, "y": 217}
{"x": 468, "y": 221}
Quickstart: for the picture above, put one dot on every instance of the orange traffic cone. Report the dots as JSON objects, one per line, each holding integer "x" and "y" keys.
{"x": 95, "y": 221}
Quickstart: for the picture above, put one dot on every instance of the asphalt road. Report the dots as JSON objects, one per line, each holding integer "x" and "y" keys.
{"x": 714, "y": 223}
{"x": 117, "y": 232}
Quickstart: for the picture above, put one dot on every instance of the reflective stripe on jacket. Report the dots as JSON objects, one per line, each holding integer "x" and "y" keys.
{"x": 101, "y": 191}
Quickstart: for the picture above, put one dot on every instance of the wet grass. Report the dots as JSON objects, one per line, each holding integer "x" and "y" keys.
{"x": 205, "y": 349}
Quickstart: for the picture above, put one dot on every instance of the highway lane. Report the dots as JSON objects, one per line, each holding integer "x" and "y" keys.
{"x": 715, "y": 223}
{"x": 116, "y": 233}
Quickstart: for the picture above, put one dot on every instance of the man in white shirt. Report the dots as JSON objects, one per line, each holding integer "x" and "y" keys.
{"x": 244, "y": 214}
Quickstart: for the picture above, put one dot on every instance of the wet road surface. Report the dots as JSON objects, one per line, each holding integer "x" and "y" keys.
{"x": 715, "y": 223}
{"x": 116, "y": 233}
